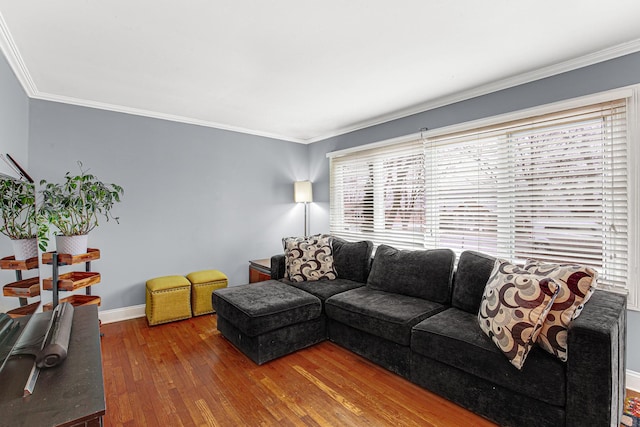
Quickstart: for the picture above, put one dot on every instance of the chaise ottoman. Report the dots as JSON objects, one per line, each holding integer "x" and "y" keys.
{"x": 269, "y": 319}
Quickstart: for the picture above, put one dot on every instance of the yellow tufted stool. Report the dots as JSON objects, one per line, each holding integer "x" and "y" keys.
{"x": 203, "y": 283}
{"x": 168, "y": 299}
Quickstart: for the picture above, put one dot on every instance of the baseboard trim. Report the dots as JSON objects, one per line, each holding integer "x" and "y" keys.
{"x": 633, "y": 380}
{"x": 120, "y": 314}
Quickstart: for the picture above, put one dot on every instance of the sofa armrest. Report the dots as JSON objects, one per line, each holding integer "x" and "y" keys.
{"x": 277, "y": 267}
{"x": 596, "y": 343}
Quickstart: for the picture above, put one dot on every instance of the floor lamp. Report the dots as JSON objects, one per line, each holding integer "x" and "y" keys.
{"x": 303, "y": 193}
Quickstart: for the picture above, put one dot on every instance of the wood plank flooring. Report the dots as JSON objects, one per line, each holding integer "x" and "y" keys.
{"x": 187, "y": 374}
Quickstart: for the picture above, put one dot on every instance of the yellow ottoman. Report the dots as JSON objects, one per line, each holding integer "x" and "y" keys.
{"x": 203, "y": 283}
{"x": 168, "y": 299}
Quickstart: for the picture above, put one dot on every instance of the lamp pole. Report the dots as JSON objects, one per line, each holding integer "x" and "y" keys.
{"x": 306, "y": 216}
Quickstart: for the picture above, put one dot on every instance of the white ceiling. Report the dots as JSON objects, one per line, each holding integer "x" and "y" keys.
{"x": 300, "y": 70}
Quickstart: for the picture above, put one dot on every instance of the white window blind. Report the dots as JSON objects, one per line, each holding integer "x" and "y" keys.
{"x": 557, "y": 186}
{"x": 378, "y": 195}
{"x": 552, "y": 187}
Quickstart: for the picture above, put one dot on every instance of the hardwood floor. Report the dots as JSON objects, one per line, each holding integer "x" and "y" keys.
{"x": 186, "y": 374}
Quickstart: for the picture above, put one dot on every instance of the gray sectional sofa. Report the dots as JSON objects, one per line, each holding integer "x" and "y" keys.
{"x": 415, "y": 314}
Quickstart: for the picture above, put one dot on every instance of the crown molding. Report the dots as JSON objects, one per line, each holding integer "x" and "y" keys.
{"x": 15, "y": 60}
{"x": 11, "y": 52}
{"x": 158, "y": 115}
{"x": 509, "y": 82}
{"x": 17, "y": 64}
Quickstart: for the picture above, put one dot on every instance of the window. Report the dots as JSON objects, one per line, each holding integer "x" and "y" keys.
{"x": 378, "y": 195}
{"x": 552, "y": 188}
{"x": 556, "y": 184}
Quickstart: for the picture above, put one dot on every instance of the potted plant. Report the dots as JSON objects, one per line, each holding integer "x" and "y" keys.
{"x": 18, "y": 210}
{"x": 74, "y": 208}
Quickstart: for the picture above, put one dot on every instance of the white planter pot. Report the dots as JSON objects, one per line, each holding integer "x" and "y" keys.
{"x": 25, "y": 248}
{"x": 72, "y": 245}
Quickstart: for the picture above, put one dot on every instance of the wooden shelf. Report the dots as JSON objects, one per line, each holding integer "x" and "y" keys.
{"x": 25, "y": 310}
{"x": 72, "y": 281}
{"x": 67, "y": 259}
{"x": 23, "y": 289}
{"x": 10, "y": 263}
{"x": 76, "y": 301}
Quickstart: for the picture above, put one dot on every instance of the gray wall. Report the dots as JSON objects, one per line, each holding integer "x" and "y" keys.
{"x": 14, "y": 116}
{"x": 14, "y": 134}
{"x": 612, "y": 74}
{"x": 195, "y": 197}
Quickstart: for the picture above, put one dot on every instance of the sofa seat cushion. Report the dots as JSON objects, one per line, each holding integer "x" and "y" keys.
{"x": 324, "y": 289}
{"x": 453, "y": 337}
{"x": 266, "y": 306}
{"x": 383, "y": 314}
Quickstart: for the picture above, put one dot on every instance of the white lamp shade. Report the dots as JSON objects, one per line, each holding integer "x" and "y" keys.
{"x": 302, "y": 192}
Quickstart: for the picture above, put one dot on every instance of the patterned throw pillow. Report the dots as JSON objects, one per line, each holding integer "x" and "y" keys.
{"x": 577, "y": 284}
{"x": 513, "y": 308}
{"x": 308, "y": 258}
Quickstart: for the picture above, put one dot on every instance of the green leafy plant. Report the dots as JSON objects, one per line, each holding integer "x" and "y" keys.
{"x": 43, "y": 231}
{"x": 18, "y": 209}
{"x": 75, "y": 206}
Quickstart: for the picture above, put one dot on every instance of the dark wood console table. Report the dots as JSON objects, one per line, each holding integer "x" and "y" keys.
{"x": 71, "y": 394}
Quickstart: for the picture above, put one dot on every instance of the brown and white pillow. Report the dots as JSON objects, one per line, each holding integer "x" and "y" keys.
{"x": 309, "y": 258}
{"x": 577, "y": 284}
{"x": 513, "y": 309}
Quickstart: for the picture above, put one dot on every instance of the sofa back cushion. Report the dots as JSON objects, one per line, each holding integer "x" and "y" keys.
{"x": 352, "y": 260}
{"x": 472, "y": 274}
{"x": 422, "y": 274}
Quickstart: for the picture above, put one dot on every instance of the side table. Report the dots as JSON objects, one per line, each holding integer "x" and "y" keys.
{"x": 259, "y": 270}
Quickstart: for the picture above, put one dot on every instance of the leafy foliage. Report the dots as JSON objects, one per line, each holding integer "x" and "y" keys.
{"x": 18, "y": 209}
{"x": 75, "y": 206}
